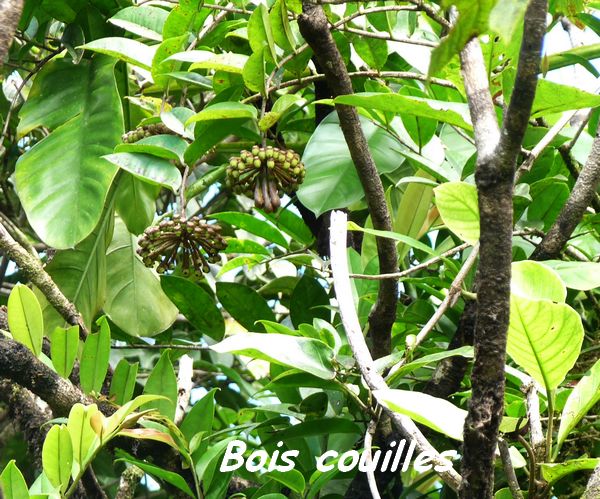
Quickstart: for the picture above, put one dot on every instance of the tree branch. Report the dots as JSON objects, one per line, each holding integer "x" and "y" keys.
{"x": 315, "y": 29}
{"x": 593, "y": 486}
{"x": 494, "y": 176}
{"x": 33, "y": 269}
{"x": 581, "y": 197}
{"x": 10, "y": 13}
{"x": 364, "y": 360}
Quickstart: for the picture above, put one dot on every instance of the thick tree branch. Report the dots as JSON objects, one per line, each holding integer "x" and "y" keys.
{"x": 18, "y": 364}
{"x": 494, "y": 176}
{"x": 581, "y": 197}
{"x": 315, "y": 29}
{"x": 593, "y": 486}
{"x": 364, "y": 360}
{"x": 32, "y": 268}
{"x": 10, "y": 13}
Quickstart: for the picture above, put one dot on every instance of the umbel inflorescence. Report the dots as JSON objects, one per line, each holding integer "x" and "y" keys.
{"x": 192, "y": 243}
{"x": 144, "y": 131}
{"x": 265, "y": 173}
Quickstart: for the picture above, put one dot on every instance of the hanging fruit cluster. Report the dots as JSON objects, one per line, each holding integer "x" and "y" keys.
{"x": 144, "y": 131}
{"x": 192, "y": 243}
{"x": 265, "y": 173}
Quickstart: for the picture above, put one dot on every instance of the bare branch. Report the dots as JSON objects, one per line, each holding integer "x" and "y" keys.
{"x": 496, "y": 159}
{"x": 513, "y": 483}
{"x": 32, "y": 268}
{"x": 184, "y": 386}
{"x": 315, "y": 28}
{"x": 10, "y": 13}
{"x": 371, "y": 428}
{"x": 581, "y": 197}
{"x": 364, "y": 360}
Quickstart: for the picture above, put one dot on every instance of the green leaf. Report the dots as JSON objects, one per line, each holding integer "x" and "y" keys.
{"x": 63, "y": 349}
{"x": 161, "y": 63}
{"x": 235, "y": 246}
{"x": 551, "y": 98}
{"x": 157, "y": 472}
{"x": 224, "y": 111}
{"x": 544, "y": 338}
{"x": 244, "y": 304}
{"x": 306, "y": 354}
{"x": 150, "y": 168}
{"x": 535, "y": 281}
{"x": 435, "y": 413}
{"x": 373, "y": 51}
{"x": 572, "y": 56}
{"x": 397, "y": 375}
{"x": 457, "y": 204}
{"x": 292, "y": 225}
{"x": 200, "y": 418}
{"x": 292, "y": 479}
{"x": 13, "y": 483}
{"x": 203, "y": 59}
{"x": 260, "y": 34}
{"x": 253, "y": 225}
{"x": 254, "y": 72}
{"x": 186, "y": 17}
{"x": 25, "y": 318}
{"x": 57, "y": 456}
{"x": 552, "y": 472}
{"x": 94, "y": 359}
{"x": 316, "y": 427}
{"x": 308, "y": 301}
{"x": 331, "y": 180}
{"x": 143, "y": 20}
{"x": 64, "y": 173}
{"x": 506, "y": 17}
{"x": 584, "y": 396}
{"x": 134, "y": 299}
{"x": 583, "y": 276}
{"x": 83, "y": 437}
{"x": 135, "y": 202}
{"x": 280, "y": 26}
{"x": 122, "y": 384}
{"x": 162, "y": 146}
{"x": 472, "y": 20}
{"x": 197, "y": 305}
{"x": 162, "y": 381}
{"x": 80, "y": 274}
{"x": 413, "y": 243}
{"x": 124, "y": 49}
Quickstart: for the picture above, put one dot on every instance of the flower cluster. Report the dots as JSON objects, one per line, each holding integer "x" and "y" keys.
{"x": 265, "y": 173}
{"x": 192, "y": 243}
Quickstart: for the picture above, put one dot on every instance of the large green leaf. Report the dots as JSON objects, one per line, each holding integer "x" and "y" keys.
{"x": 553, "y": 472}
{"x": 94, "y": 359}
{"x": 577, "y": 275}
{"x": 123, "y": 382}
{"x": 25, "y": 318}
{"x": 64, "y": 175}
{"x": 162, "y": 381}
{"x": 436, "y": 413}
{"x": 83, "y": 436}
{"x": 57, "y": 456}
{"x": 143, "y": 20}
{"x": 544, "y": 338}
{"x": 535, "y": 281}
{"x": 134, "y": 299}
{"x": 306, "y": 354}
{"x": 551, "y": 98}
{"x": 63, "y": 349}
{"x": 150, "y": 168}
{"x": 13, "y": 483}
{"x": 244, "y": 304}
{"x": 331, "y": 179}
{"x": 124, "y": 49}
{"x": 308, "y": 301}
{"x": 253, "y": 225}
{"x": 80, "y": 274}
{"x": 454, "y": 113}
{"x": 135, "y": 202}
{"x": 583, "y": 397}
{"x": 457, "y": 204}
{"x": 197, "y": 305}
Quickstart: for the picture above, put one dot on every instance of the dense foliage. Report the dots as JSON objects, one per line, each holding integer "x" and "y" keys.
{"x": 174, "y": 167}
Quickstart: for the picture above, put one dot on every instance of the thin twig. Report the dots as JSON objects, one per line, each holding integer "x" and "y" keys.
{"x": 371, "y": 428}
{"x": 447, "y": 302}
{"x": 364, "y": 360}
{"x": 509, "y": 470}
